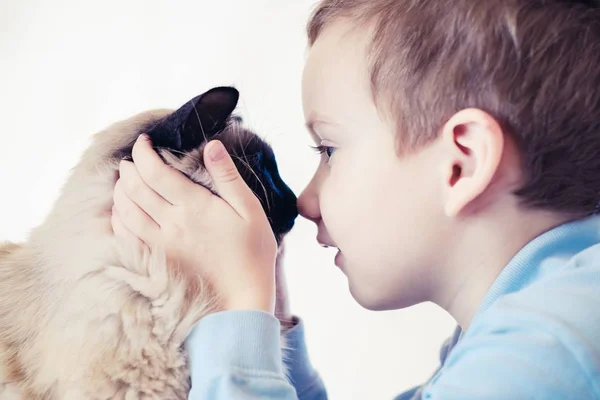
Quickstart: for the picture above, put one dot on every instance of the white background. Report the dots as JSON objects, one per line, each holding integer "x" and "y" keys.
{"x": 69, "y": 68}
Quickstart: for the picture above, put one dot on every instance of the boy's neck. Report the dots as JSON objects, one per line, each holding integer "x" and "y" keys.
{"x": 486, "y": 244}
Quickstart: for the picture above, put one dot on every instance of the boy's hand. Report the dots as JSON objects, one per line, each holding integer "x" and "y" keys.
{"x": 228, "y": 240}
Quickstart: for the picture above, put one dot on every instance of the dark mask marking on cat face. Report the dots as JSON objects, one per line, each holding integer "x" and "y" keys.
{"x": 185, "y": 132}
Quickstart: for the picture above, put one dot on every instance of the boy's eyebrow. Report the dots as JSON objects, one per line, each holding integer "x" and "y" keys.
{"x": 310, "y": 124}
{"x": 311, "y": 132}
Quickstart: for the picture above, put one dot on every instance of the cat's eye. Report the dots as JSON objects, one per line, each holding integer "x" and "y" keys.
{"x": 328, "y": 150}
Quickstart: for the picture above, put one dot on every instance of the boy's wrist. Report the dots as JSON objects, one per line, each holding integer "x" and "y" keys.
{"x": 261, "y": 301}
{"x": 287, "y": 322}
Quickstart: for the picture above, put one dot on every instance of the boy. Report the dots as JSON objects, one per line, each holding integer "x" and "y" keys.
{"x": 462, "y": 139}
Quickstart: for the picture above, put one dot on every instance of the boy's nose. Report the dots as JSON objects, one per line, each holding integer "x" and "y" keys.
{"x": 308, "y": 205}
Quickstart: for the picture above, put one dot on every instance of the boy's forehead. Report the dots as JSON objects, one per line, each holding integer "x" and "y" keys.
{"x": 335, "y": 73}
{"x": 338, "y": 52}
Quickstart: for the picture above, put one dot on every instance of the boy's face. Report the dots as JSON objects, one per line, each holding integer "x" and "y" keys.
{"x": 382, "y": 212}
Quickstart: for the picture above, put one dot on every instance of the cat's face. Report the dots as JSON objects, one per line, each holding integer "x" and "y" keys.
{"x": 181, "y": 136}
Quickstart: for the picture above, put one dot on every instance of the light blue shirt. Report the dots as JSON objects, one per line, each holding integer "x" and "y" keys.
{"x": 536, "y": 335}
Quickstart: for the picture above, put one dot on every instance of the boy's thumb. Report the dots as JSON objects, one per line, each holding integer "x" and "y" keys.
{"x": 216, "y": 151}
{"x": 225, "y": 177}
{"x": 220, "y": 166}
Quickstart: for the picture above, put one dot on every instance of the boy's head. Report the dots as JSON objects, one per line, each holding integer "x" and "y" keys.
{"x": 433, "y": 113}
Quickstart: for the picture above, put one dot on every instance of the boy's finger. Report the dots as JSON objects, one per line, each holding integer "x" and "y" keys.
{"x": 227, "y": 180}
{"x": 133, "y": 218}
{"x": 121, "y": 231}
{"x": 172, "y": 185}
{"x": 140, "y": 193}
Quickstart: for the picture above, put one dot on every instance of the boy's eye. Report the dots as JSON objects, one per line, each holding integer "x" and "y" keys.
{"x": 324, "y": 149}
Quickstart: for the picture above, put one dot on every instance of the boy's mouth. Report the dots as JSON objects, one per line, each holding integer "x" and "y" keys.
{"x": 339, "y": 257}
{"x": 339, "y": 260}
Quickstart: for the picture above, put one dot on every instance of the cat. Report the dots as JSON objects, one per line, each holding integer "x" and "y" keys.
{"x": 84, "y": 316}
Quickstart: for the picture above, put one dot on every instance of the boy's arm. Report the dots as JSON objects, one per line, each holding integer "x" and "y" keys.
{"x": 302, "y": 375}
{"x": 237, "y": 355}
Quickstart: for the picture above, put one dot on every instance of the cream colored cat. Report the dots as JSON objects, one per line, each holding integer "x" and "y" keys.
{"x": 84, "y": 316}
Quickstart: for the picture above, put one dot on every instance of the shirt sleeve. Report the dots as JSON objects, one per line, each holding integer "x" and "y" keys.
{"x": 303, "y": 376}
{"x": 237, "y": 355}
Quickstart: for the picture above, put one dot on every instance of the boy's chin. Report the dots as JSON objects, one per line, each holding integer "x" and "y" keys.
{"x": 370, "y": 299}
{"x": 376, "y": 300}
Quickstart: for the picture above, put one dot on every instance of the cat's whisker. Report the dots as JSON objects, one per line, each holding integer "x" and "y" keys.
{"x": 255, "y": 194}
{"x": 184, "y": 154}
{"x": 247, "y": 164}
{"x": 200, "y": 123}
{"x": 243, "y": 147}
{"x": 241, "y": 159}
{"x": 244, "y": 150}
{"x": 76, "y": 255}
{"x": 248, "y": 144}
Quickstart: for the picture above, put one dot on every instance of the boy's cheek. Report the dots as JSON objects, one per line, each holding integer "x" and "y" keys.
{"x": 338, "y": 211}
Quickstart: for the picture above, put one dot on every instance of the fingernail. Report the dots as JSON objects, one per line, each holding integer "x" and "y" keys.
{"x": 143, "y": 136}
{"x": 217, "y": 151}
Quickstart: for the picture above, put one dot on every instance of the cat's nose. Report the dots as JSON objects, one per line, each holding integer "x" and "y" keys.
{"x": 288, "y": 226}
{"x": 291, "y": 212}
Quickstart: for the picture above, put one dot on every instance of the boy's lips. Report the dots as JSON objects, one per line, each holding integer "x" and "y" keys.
{"x": 339, "y": 257}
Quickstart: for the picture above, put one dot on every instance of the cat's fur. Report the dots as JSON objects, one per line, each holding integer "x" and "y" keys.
{"x": 82, "y": 316}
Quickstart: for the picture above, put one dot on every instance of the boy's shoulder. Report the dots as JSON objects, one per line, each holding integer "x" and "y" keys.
{"x": 553, "y": 285}
{"x": 539, "y": 335}
{"x": 563, "y": 306}
{"x": 547, "y": 334}
{"x": 562, "y": 299}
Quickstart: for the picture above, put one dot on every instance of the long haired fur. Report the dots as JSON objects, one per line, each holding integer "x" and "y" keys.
{"x": 84, "y": 316}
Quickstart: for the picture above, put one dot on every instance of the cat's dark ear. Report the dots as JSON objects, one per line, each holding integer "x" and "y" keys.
{"x": 196, "y": 121}
{"x": 212, "y": 109}
{"x": 208, "y": 115}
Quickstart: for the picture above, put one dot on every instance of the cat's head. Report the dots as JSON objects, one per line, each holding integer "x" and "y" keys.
{"x": 181, "y": 136}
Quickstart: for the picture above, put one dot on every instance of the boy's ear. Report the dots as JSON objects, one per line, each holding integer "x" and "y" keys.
{"x": 196, "y": 121}
{"x": 474, "y": 144}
